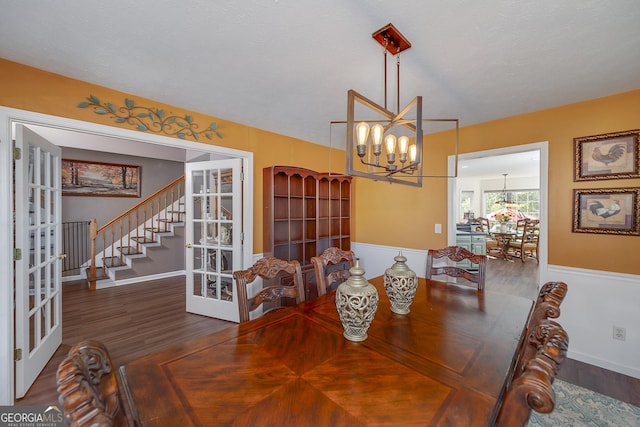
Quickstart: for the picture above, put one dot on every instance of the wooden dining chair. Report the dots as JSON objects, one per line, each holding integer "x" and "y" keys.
{"x": 492, "y": 245}
{"x": 546, "y": 306}
{"x": 531, "y": 389}
{"x": 456, "y": 254}
{"x": 527, "y": 243}
{"x": 281, "y": 286}
{"x": 88, "y": 388}
{"x": 332, "y": 268}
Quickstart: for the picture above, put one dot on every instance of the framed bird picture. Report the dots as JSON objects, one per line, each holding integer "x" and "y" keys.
{"x": 608, "y": 156}
{"x": 607, "y": 211}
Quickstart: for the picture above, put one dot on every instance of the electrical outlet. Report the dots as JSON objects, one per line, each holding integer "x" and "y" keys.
{"x": 619, "y": 333}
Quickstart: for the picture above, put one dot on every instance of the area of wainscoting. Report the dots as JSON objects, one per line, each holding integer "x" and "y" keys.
{"x": 595, "y": 302}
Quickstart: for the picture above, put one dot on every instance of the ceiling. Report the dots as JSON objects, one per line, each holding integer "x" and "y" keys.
{"x": 515, "y": 165}
{"x": 96, "y": 142}
{"x": 285, "y": 66}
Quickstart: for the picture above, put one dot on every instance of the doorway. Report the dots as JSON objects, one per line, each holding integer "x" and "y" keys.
{"x": 485, "y": 158}
{"x": 8, "y": 118}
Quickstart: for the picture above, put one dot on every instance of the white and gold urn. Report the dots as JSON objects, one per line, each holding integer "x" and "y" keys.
{"x": 357, "y": 303}
{"x": 400, "y": 284}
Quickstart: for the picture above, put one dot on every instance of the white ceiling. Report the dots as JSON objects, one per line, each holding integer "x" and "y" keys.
{"x": 285, "y": 65}
{"x": 95, "y": 142}
{"x": 515, "y": 165}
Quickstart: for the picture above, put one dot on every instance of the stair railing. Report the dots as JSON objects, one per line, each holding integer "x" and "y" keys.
{"x": 123, "y": 235}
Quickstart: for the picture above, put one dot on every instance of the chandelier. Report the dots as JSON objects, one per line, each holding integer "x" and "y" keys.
{"x": 504, "y": 196}
{"x": 373, "y": 129}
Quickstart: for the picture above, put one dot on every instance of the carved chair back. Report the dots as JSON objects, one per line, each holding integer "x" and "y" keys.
{"x": 88, "y": 388}
{"x": 532, "y": 388}
{"x": 547, "y": 306}
{"x": 332, "y": 268}
{"x": 282, "y": 283}
{"x": 456, "y": 254}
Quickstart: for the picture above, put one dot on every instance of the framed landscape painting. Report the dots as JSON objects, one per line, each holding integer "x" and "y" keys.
{"x": 607, "y": 211}
{"x": 97, "y": 179}
{"x": 607, "y": 156}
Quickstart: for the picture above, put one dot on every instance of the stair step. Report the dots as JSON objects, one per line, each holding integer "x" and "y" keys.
{"x": 113, "y": 261}
{"x": 156, "y": 231}
{"x": 99, "y": 277}
{"x": 129, "y": 250}
{"x": 144, "y": 240}
{"x": 170, "y": 221}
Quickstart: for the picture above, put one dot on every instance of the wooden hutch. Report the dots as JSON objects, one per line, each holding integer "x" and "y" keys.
{"x": 305, "y": 212}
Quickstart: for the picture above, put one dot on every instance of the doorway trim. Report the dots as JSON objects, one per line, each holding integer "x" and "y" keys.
{"x": 8, "y": 116}
{"x": 543, "y": 148}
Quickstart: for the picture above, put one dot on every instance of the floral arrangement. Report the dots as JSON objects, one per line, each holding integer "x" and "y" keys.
{"x": 505, "y": 216}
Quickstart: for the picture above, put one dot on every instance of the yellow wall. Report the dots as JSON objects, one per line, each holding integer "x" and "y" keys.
{"x": 394, "y": 215}
{"x": 30, "y": 89}
{"x": 405, "y": 216}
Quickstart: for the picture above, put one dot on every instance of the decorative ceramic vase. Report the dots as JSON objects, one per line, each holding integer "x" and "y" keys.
{"x": 357, "y": 302}
{"x": 400, "y": 283}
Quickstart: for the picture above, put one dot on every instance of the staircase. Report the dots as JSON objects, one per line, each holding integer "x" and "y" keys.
{"x": 141, "y": 242}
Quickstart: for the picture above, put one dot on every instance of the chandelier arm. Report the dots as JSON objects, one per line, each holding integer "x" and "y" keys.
{"x": 404, "y": 169}
{"x": 376, "y": 164}
{"x": 408, "y": 169}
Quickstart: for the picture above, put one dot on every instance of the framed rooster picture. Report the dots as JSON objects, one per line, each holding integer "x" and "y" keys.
{"x": 607, "y": 211}
{"x": 608, "y": 156}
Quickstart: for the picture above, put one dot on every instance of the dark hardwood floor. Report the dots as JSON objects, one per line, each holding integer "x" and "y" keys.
{"x": 136, "y": 320}
{"x": 131, "y": 321}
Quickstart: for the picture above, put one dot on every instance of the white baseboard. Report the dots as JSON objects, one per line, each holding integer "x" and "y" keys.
{"x": 73, "y": 278}
{"x": 140, "y": 279}
{"x": 604, "y": 364}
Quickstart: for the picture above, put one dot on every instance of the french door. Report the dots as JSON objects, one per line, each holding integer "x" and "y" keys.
{"x": 38, "y": 265}
{"x": 213, "y": 201}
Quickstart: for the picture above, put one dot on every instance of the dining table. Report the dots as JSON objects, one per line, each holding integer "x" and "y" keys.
{"x": 503, "y": 239}
{"x": 447, "y": 362}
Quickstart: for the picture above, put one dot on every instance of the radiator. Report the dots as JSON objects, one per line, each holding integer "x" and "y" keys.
{"x": 76, "y": 245}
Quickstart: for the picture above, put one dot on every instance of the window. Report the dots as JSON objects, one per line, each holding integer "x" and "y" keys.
{"x": 525, "y": 201}
{"x": 466, "y": 201}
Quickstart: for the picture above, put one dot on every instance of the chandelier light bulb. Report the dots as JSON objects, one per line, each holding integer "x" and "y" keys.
{"x": 377, "y": 131}
{"x": 412, "y": 153}
{"x": 362, "y": 133}
{"x": 403, "y": 146}
{"x": 390, "y": 142}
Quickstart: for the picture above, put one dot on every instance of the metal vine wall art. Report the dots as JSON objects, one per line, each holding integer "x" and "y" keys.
{"x": 148, "y": 119}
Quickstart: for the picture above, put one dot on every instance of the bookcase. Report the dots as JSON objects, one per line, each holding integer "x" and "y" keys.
{"x": 305, "y": 212}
